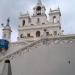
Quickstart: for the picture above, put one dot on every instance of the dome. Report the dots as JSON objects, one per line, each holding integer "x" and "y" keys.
{"x": 7, "y": 27}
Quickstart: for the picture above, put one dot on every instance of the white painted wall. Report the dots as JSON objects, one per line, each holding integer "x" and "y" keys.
{"x": 47, "y": 59}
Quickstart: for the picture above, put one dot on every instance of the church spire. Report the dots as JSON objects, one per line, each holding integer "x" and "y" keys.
{"x": 39, "y": 2}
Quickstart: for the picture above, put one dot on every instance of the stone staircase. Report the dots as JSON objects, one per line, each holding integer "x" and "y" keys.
{"x": 23, "y": 48}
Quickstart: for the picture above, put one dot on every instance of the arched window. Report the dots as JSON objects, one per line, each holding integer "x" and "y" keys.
{"x": 23, "y": 22}
{"x": 54, "y": 19}
{"x": 38, "y": 10}
{"x": 38, "y": 34}
{"x": 47, "y": 33}
{"x": 21, "y": 36}
{"x": 28, "y": 35}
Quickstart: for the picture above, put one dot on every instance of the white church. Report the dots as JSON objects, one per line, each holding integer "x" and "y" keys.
{"x": 41, "y": 47}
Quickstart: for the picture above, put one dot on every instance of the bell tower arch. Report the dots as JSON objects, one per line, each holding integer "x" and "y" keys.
{"x": 39, "y": 9}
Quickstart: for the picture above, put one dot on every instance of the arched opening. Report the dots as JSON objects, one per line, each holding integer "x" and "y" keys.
{"x": 38, "y": 10}
{"x": 28, "y": 35}
{"x": 38, "y": 34}
{"x": 7, "y": 61}
{"x": 23, "y": 22}
{"x": 21, "y": 36}
{"x": 54, "y": 19}
{"x": 47, "y": 33}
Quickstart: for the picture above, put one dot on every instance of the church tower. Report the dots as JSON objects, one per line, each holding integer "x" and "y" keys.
{"x": 54, "y": 19}
{"x": 39, "y": 9}
{"x": 54, "y": 15}
{"x": 7, "y": 31}
{"x": 39, "y": 13}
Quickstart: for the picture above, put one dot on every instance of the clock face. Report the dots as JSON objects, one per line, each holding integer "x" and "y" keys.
{"x": 4, "y": 44}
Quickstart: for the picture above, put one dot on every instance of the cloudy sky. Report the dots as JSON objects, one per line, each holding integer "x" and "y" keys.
{"x": 13, "y": 8}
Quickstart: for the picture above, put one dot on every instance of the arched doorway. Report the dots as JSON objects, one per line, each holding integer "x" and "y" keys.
{"x": 38, "y": 34}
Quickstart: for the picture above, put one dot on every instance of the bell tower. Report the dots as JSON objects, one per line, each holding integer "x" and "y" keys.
{"x": 39, "y": 9}
{"x": 55, "y": 16}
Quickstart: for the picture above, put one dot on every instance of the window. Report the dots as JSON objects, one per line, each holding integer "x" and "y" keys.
{"x": 55, "y": 32}
{"x": 38, "y": 10}
{"x": 28, "y": 35}
{"x": 43, "y": 23}
{"x": 54, "y": 19}
{"x": 47, "y": 33}
{"x": 38, "y": 34}
{"x": 21, "y": 36}
{"x": 23, "y": 23}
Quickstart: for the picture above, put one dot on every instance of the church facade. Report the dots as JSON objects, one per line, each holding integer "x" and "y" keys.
{"x": 41, "y": 47}
{"x": 32, "y": 28}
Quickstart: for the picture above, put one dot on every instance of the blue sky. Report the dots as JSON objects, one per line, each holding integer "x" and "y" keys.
{"x": 13, "y": 8}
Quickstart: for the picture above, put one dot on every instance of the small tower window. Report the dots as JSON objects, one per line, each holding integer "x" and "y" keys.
{"x": 23, "y": 22}
{"x": 38, "y": 34}
{"x": 38, "y": 10}
{"x": 54, "y": 19}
